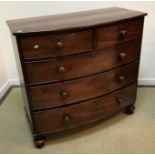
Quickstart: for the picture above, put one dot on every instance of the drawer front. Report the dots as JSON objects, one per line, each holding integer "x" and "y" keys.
{"x": 82, "y": 65}
{"x": 118, "y": 33}
{"x": 54, "y": 95}
{"x": 85, "y": 112}
{"x": 56, "y": 45}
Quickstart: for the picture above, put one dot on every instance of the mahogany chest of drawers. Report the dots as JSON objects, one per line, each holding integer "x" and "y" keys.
{"x": 77, "y": 68}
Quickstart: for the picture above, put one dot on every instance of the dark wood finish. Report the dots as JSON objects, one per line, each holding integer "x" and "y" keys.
{"x": 44, "y": 46}
{"x": 39, "y": 141}
{"x": 77, "y": 68}
{"x": 77, "y": 90}
{"x": 82, "y": 113}
{"x": 82, "y": 65}
{"x": 130, "y": 109}
{"x": 111, "y": 35}
{"x": 83, "y": 19}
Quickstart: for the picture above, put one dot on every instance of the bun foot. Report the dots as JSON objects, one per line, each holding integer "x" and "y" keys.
{"x": 129, "y": 110}
{"x": 39, "y": 141}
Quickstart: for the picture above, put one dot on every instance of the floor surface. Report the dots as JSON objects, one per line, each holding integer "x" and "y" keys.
{"x": 119, "y": 134}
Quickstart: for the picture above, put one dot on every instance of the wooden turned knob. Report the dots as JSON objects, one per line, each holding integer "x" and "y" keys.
{"x": 119, "y": 100}
{"x": 122, "y": 55}
{"x": 123, "y": 33}
{"x": 64, "y": 94}
{"x": 36, "y": 47}
{"x": 61, "y": 69}
{"x": 59, "y": 44}
{"x": 66, "y": 118}
{"x": 121, "y": 78}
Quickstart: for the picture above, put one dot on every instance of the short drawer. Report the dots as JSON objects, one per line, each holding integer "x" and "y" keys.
{"x": 49, "y": 96}
{"x": 81, "y": 65}
{"x": 85, "y": 112}
{"x": 56, "y": 45}
{"x": 118, "y": 33}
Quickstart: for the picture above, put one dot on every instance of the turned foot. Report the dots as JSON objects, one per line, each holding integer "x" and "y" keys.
{"x": 39, "y": 141}
{"x": 129, "y": 110}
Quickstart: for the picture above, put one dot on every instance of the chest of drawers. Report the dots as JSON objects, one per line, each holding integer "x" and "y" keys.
{"x": 77, "y": 68}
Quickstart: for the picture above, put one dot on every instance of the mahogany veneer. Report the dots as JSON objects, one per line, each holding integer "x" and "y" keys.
{"x": 77, "y": 68}
{"x": 56, "y": 45}
{"x": 83, "y": 88}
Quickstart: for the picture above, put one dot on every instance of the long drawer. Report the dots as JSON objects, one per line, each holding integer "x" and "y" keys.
{"x": 48, "y": 96}
{"x": 79, "y": 114}
{"x": 76, "y": 66}
{"x": 118, "y": 33}
{"x": 56, "y": 44}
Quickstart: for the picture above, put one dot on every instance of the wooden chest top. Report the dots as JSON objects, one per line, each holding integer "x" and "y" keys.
{"x": 68, "y": 21}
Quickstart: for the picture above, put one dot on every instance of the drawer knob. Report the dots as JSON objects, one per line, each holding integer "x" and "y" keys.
{"x": 59, "y": 44}
{"x": 36, "y": 47}
{"x": 123, "y": 33}
{"x": 122, "y": 55}
{"x": 119, "y": 100}
{"x": 64, "y": 94}
{"x": 121, "y": 78}
{"x": 61, "y": 69}
{"x": 66, "y": 118}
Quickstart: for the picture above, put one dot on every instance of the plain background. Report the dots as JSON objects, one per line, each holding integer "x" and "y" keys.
{"x": 15, "y": 10}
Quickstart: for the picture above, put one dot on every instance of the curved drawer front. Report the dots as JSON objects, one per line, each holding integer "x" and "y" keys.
{"x": 118, "y": 33}
{"x": 56, "y": 45}
{"x": 82, "y": 65}
{"x": 53, "y": 95}
{"x": 85, "y": 112}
